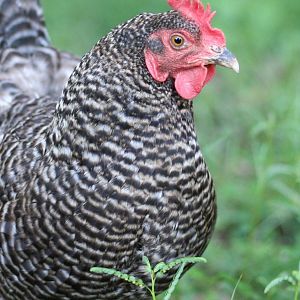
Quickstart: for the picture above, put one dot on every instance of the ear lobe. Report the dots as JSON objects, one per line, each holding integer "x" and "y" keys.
{"x": 153, "y": 67}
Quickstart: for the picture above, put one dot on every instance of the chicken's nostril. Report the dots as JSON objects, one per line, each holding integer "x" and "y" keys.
{"x": 216, "y": 49}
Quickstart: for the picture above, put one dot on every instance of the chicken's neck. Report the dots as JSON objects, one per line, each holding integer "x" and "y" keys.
{"x": 113, "y": 99}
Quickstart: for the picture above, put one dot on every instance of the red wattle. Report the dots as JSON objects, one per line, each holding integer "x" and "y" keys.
{"x": 211, "y": 71}
{"x": 189, "y": 83}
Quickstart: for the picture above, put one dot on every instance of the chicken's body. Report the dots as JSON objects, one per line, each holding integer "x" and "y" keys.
{"x": 29, "y": 67}
{"x": 110, "y": 172}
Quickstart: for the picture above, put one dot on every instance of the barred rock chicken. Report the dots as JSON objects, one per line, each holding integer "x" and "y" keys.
{"x": 106, "y": 169}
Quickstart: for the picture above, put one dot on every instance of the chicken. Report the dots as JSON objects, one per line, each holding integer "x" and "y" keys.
{"x": 107, "y": 169}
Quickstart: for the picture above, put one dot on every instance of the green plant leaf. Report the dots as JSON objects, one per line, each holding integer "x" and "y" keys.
{"x": 296, "y": 274}
{"x": 185, "y": 260}
{"x": 132, "y": 279}
{"x": 147, "y": 264}
{"x": 158, "y": 270}
{"x": 174, "y": 282}
{"x": 279, "y": 280}
{"x": 159, "y": 267}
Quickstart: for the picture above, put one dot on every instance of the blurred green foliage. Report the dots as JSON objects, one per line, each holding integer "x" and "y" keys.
{"x": 249, "y": 129}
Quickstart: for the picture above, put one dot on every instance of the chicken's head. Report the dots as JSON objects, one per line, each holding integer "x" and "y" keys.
{"x": 188, "y": 53}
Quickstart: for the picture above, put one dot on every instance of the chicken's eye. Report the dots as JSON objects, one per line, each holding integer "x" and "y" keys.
{"x": 177, "y": 40}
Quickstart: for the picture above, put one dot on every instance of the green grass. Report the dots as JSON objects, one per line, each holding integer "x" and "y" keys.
{"x": 293, "y": 280}
{"x": 249, "y": 129}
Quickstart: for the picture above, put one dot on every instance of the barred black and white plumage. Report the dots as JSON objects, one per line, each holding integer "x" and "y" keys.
{"x": 29, "y": 66}
{"x": 106, "y": 173}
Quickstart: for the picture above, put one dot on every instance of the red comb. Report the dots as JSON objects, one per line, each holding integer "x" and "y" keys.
{"x": 194, "y": 10}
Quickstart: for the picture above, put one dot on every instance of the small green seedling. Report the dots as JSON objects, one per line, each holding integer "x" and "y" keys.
{"x": 292, "y": 279}
{"x": 158, "y": 271}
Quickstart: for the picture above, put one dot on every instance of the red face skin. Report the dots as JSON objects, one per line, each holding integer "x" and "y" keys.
{"x": 190, "y": 64}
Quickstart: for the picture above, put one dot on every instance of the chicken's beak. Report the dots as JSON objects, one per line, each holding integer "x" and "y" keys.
{"x": 228, "y": 60}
